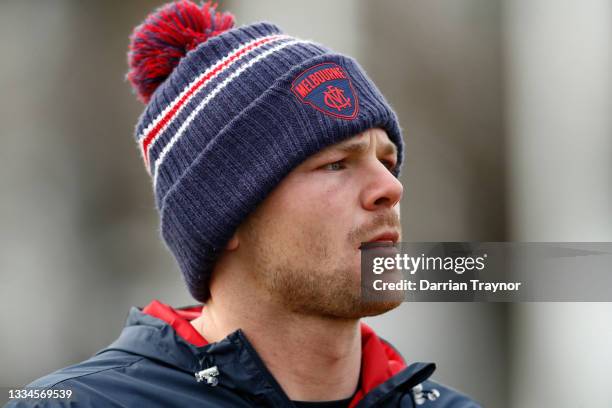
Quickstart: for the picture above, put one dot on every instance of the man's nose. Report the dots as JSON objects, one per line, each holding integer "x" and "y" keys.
{"x": 382, "y": 189}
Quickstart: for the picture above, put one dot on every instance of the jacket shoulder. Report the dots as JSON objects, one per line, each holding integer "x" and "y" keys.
{"x": 85, "y": 382}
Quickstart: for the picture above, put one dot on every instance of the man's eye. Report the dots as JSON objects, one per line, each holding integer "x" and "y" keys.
{"x": 335, "y": 166}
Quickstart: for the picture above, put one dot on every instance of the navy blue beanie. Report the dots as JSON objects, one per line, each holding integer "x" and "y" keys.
{"x": 236, "y": 113}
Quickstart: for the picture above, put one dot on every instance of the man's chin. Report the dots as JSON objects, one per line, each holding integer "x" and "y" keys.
{"x": 336, "y": 295}
{"x": 361, "y": 309}
{"x": 377, "y": 308}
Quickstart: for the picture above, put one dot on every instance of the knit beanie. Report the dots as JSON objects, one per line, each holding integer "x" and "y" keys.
{"x": 231, "y": 111}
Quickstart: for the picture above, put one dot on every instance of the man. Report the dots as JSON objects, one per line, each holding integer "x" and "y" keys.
{"x": 273, "y": 159}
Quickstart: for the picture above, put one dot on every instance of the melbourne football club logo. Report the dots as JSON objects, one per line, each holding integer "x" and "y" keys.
{"x": 327, "y": 88}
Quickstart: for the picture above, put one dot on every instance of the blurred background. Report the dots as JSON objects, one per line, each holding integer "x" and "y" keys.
{"x": 505, "y": 107}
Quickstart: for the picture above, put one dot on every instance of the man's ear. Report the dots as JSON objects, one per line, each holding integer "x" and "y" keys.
{"x": 233, "y": 243}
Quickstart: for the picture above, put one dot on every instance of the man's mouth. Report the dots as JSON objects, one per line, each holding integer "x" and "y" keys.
{"x": 385, "y": 239}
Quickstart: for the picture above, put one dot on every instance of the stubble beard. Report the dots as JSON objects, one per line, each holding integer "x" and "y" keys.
{"x": 334, "y": 296}
{"x": 319, "y": 285}
{"x": 311, "y": 273}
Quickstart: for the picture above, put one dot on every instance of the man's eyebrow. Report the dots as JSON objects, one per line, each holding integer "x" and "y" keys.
{"x": 361, "y": 146}
{"x": 353, "y": 147}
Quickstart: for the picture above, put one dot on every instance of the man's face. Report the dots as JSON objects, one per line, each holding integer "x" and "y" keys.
{"x": 300, "y": 247}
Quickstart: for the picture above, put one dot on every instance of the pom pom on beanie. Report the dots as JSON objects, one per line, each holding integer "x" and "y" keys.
{"x": 158, "y": 44}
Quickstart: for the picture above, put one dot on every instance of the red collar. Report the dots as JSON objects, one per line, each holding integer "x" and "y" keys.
{"x": 179, "y": 320}
{"x": 379, "y": 361}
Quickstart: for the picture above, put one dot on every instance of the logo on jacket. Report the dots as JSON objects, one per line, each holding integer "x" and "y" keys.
{"x": 327, "y": 88}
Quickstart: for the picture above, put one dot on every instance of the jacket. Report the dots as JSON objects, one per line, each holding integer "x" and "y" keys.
{"x": 160, "y": 360}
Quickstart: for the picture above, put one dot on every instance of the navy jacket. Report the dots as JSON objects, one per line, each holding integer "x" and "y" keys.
{"x": 160, "y": 360}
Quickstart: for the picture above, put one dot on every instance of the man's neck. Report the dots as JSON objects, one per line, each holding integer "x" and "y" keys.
{"x": 312, "y": 358}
